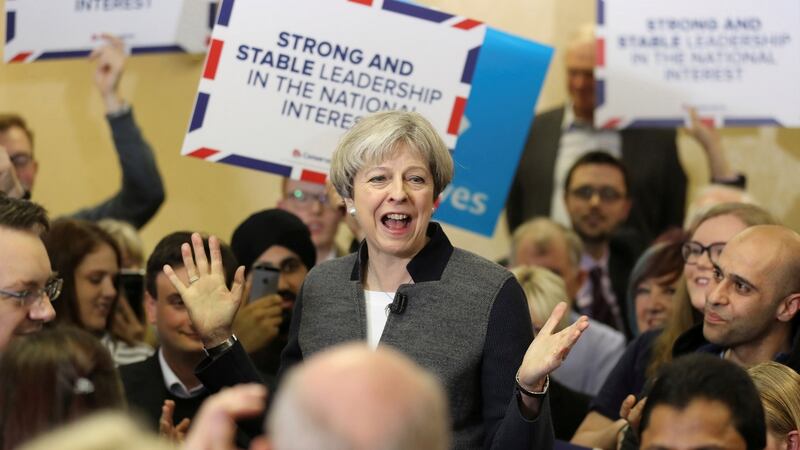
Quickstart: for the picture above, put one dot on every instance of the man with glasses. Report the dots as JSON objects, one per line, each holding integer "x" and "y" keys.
{"x": 27, "y": 282}
{"x": 310, "y": 202}
{"x": 141, "y": 192}
{"x": 596, "y": 197}
{"x": 279, "y": 240}
{"x": 751, "y": 310}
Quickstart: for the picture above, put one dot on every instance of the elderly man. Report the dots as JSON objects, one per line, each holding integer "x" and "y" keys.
{"x": 559, "y": 137}
{"x": 142, "y": 191}
{"x": 27, "y": 283}
{"x": 750, "y": 315}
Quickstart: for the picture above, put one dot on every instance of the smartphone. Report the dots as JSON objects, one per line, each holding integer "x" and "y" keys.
{"x": 265, "y": 281}
{"x": 131, "y": 281}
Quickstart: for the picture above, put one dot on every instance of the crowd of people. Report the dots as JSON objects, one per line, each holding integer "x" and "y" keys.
{"x": 616, "y": 321}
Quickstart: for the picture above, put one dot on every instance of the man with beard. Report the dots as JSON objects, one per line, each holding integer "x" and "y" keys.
{"x": 751, "y": 311}
{"x": 164, "y": 388}
{"x": 280, "y": 240}
{"x": 596, "y": 196}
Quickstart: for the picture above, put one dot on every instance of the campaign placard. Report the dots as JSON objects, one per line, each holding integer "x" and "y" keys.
{"x": 736, "y": 61}
{"x": 284, "y": 81}
{"x": 39, "y": 30}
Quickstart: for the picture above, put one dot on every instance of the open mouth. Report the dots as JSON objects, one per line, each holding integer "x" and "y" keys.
{"x": 396, "y": 222}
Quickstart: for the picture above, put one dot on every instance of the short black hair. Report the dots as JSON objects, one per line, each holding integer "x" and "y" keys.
{"x": 703, "y": 376}
{"x": 599, "y": 157}
{"x": 23, "y": 215}
{"x": 168, "y": 251}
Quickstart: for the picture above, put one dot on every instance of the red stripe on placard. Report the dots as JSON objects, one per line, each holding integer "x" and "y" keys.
{"x": 601, "y": 52}
{"x": 203, "y": 153}
{"x": 467, "y": 24}
{"x": 707, "y": 121}
{"x": 214, "y": 52}
{"x": 362, "y": 2}
{"x": 21, "y": 57}
{"x": 314, "y": 177}
{"x": 455, "y": 118}
{"x": 612, "y": 123}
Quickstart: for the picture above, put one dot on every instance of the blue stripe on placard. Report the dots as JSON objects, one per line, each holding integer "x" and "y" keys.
{"x": 419, "y": 12}
{"x": 212, "y": 14}
{"x": 665, "y": 122}
{"x": 601, "y": 12}
{"x": 225, "y": 12}
{"x": 599, "y": 92}
{"x": 157, "y": 49}
{"x": 257, "y": 164}
{"x": 469, "y": 66}
{"x": 750, "y": 121}
{"x": 64, "y": 54}
{"x": 11, "y": 25}
{"x": 199, "y": 113}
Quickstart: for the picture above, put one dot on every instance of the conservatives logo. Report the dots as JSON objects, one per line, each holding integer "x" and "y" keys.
{"x": 296, "y": 153}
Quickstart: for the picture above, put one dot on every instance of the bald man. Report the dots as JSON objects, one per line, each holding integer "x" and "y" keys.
{"x": 751, "y": 312}
{"x": 353, "y": 397}
{"x": 559, "y": 137}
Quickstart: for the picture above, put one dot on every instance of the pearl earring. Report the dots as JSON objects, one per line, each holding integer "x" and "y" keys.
{"x": 352, "y": 211}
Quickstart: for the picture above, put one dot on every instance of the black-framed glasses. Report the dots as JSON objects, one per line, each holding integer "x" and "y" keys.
{"x": 607, "y": 194}
{"x": 692, "y": 251}
{"x": 30, "y": 297}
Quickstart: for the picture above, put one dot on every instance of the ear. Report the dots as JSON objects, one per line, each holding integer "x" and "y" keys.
{"x": 150, "y": 308}
{"x": 793, "y": 440}
{"x": 788, "y": 307}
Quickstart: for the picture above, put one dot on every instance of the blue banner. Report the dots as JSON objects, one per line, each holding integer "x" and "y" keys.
{"x": 505, "y": 88}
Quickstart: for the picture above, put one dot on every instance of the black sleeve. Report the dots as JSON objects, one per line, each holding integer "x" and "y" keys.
{"x": 508, "y": 335}
{"x": 627, "y": 377}
{"x": 142, "y": 190}
{"x": 229, "y": 369}
{"x": 292, "y": 354}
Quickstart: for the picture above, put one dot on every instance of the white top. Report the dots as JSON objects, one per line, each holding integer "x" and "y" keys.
{"x": 173, "y": 383}
{"x": 577, "y": 139}
{"x": 377, "y": 303}
{"x": 124, "y": 354}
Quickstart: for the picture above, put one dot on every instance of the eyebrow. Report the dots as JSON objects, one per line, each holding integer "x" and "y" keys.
{"x": 736, "y": 278}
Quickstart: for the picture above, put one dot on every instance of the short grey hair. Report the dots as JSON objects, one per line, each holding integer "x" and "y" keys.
{"x": 543, "y": 230}
{"x": 376, "y": 137}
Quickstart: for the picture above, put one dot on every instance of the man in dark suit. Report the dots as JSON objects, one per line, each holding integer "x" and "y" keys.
{"x": 559, "y": 137}
{"x": 164, "y": 387}
{"x": 597, "y": 200}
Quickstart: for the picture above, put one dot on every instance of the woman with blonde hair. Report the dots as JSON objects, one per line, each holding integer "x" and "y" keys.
{"x": 651, "y": 350}
{"x": 779, "y": 388}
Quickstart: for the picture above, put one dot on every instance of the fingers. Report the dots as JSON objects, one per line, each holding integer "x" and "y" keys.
{"x": 183, "y": 426}
{"x": 165, "y": 422}
{"x": 188, "y": 261}
{"x": 627, "y": 405}
{"x": 238, "y": 284}
{"x": 200, "y": 258}
{"x": 554, "y": 319}
{"x": 173, "y": 278}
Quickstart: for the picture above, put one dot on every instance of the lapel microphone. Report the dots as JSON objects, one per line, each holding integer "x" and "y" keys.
{"x": 398, "y": 305}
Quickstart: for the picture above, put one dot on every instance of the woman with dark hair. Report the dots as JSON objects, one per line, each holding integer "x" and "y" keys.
{"x": 653, "y": 283}
{"x": 88, "y": 260}
{"x": 51, "y": 378}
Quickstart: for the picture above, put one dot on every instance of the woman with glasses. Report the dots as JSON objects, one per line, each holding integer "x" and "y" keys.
{"x": 709, "y": 232}
{"x": 88, "y": 260}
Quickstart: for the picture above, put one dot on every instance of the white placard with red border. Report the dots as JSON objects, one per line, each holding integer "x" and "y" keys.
{"x": 284, "y": 80}
{"x": 736, "y": 61}
{"x": 38, "y": 30}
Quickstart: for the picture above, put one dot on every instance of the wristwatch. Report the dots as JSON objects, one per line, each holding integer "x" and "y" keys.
{"x": 221, "y": 348}
{"x": 533, "y": 394}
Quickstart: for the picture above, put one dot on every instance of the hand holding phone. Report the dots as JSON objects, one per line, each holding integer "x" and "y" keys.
{"x": 265, "y": 281}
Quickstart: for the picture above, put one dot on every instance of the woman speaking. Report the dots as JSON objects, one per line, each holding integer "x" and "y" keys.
{"x": 460, "y": 316}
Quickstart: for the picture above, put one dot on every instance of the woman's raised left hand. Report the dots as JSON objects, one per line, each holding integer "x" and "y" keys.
{"x": 548, "y": 350}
